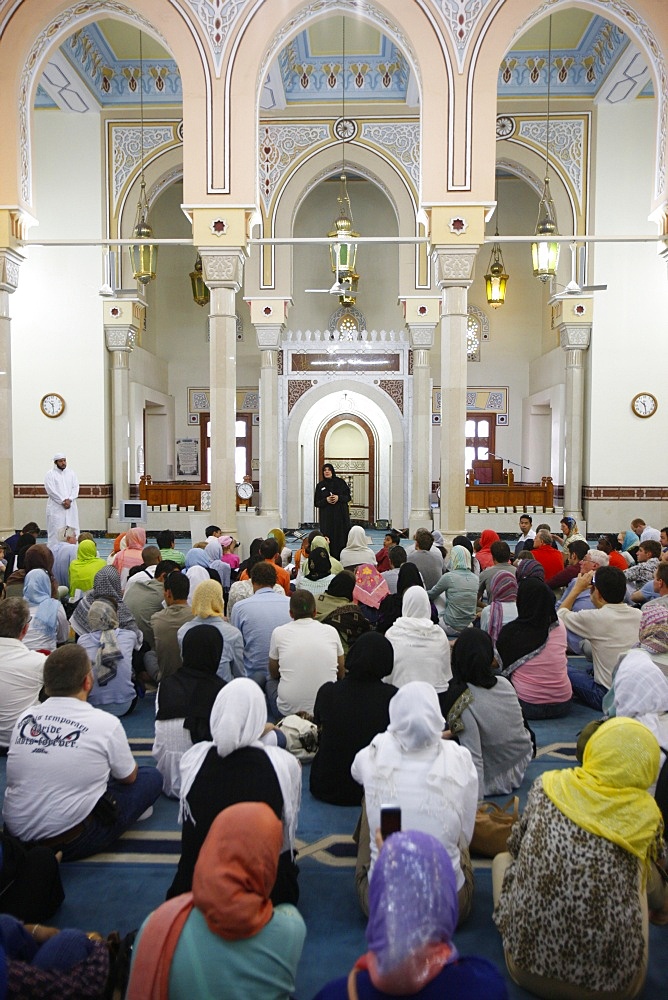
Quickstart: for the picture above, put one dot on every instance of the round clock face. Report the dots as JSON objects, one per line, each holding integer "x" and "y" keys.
{"x": 644, "y": 404}
{"x": 52, "y": 405}
{"x": 245, "y": 491}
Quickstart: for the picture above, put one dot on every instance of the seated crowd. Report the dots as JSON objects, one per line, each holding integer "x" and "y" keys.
{"x": 422, "y": 670}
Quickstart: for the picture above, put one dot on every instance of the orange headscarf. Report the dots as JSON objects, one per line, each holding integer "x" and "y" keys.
{"x": 234, "y": 875}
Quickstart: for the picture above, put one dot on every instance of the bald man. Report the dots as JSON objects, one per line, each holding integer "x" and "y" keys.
{"x": 62, "y": 489}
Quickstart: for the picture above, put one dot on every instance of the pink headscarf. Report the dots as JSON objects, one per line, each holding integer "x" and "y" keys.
{"x": 130, "y": 556}
{"x": 502, "y": 590}
{"x": 370, "y": 587}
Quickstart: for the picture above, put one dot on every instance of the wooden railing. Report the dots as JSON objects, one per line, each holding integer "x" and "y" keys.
{"x": 171, "y": 494}
{"x": 509, "y": 493}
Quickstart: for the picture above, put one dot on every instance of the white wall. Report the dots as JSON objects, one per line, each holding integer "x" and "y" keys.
{"x": 57, "y": 332}
{"x": 629, "y": 350}
{"x": 377, "y": 264}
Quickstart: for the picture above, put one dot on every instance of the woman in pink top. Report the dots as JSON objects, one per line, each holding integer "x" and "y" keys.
{"x": 532, "y": 650}
{"x": 131, "y": 555}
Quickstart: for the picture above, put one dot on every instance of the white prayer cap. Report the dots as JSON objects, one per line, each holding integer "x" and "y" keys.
{"x": 59, "y": 454}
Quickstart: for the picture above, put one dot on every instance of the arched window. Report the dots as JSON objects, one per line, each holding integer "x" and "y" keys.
{"x": 477, "y": 330}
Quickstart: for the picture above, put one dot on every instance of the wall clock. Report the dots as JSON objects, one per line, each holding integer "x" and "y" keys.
{"x": 52, "y": 405}
{"x": 644, "y": 404}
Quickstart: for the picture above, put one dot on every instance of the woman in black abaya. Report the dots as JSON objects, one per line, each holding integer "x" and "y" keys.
{"x": 332, "y": 496}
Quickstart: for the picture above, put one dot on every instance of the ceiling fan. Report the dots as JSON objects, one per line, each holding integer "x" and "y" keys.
{"x": 573, "y": 287}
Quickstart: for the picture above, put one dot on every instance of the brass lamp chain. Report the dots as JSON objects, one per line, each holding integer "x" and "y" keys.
{"x": 549, "y": 80}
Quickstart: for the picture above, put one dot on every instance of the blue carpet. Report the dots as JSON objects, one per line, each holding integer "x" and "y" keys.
{"x": 117, "y": 891}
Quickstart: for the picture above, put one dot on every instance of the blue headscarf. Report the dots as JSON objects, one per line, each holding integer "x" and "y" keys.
{"x": 37, "y": 591}
{"x": 197, "y": 557}
{"x": 630, "y": 538}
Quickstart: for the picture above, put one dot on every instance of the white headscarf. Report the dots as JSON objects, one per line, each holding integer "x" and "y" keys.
{"x": 415, "y": 604}
{"x": 641, "y": 692}
{"x": 357, "y": 549}
{"x": 213, "y": 550}
{"x": 416, "y": 724}
{"x": 238, "y": 717}
{"x": 196, "y": 575}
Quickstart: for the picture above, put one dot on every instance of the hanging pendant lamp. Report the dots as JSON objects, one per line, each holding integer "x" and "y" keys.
{"x": 544, "y": 250}
{"x": 143, "y": 254}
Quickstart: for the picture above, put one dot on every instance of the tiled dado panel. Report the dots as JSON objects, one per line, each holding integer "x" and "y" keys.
{"x": 87, "y": 491}
{"x": 625, "y": 493}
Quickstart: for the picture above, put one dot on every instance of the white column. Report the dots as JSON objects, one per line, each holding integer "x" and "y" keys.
{"x": 223, "y": 273}
{"x": 119, "y": 344}
{"x": 422, "y": 339}
{"x": 575, "y": 340}
{"x": 268, "y": 422}
{"x": 10, "y": 262}
{"x": 453, "y": 275}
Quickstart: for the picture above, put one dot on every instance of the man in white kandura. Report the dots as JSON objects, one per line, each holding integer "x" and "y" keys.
{"x": 62, "y": 489}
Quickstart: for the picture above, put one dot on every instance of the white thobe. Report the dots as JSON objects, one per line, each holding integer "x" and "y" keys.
{"x": 60, "y": 484}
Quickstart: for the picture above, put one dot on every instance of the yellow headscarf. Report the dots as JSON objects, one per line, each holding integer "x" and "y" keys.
{"x": 608, "y": 795}
{"x": 208, "y": 600}
{"x": 279, "y": 535}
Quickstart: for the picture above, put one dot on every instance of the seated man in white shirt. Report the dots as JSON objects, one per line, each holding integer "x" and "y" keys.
{"x": 303, "y": 656}
{"x": 526, "y": 532}
{"x": 21, "y": 669}
{"x": 72, "y": 782}
{"x": 611, "y": 628}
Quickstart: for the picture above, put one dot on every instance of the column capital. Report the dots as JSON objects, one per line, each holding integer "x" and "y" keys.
{"x": 269, "y": 336}
{"x": 575, "y": 336}
{"x": 454, "y": 266}
{"x": 120, "y": 339}
{"x": 10, "y": 265}
{"x": 422, "y": 336}
{"x": 223, "y": 268}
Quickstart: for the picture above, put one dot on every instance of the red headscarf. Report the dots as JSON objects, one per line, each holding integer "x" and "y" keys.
{"x": 484, "y": 556}
{"x": 234, "y": 875}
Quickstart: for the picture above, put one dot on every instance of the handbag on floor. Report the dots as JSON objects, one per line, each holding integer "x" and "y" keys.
{"x": 492, "y": 828}
{"x": 301, "y": 736}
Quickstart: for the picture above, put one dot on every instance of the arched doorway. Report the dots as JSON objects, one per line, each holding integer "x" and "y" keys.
{"x": 347, "y": 441}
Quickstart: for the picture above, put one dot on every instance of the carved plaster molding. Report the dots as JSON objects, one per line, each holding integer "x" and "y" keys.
{"x": 217, "y": 19}
{"x": 461, "y": 18}
{"x": 421, "y": 335}
{"x": 453, "y": 266}
{"x": 10, "y": 265}
{"x": 269, "y": 336}
{"x": 575, "y": 337}
{"x": 120, "y": 338}
{"x": 223, "y": 269}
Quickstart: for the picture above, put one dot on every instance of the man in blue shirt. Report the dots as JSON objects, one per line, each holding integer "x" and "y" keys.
{"x": 256, "y": 618}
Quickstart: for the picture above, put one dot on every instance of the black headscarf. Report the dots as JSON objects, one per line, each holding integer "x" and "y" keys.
{"x": 409, "y": 576}
{"x": 471, "y": 662}
{"x": 370, "y": 658}
{"x": 536, "y": 616}
{"x": 254, "y": 550}
{"x": 463, "y": 540}
{"x": 319, "y": 565}
{"x": 472, "y": 657}
{"x": 189, "y": 694}
{"x": 342, "y": 585}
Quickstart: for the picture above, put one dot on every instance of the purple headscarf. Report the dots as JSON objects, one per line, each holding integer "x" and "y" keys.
{"x": 502, "y": 590}
{"x": 530, "y": 567}
{"x": 413, "y": 911}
